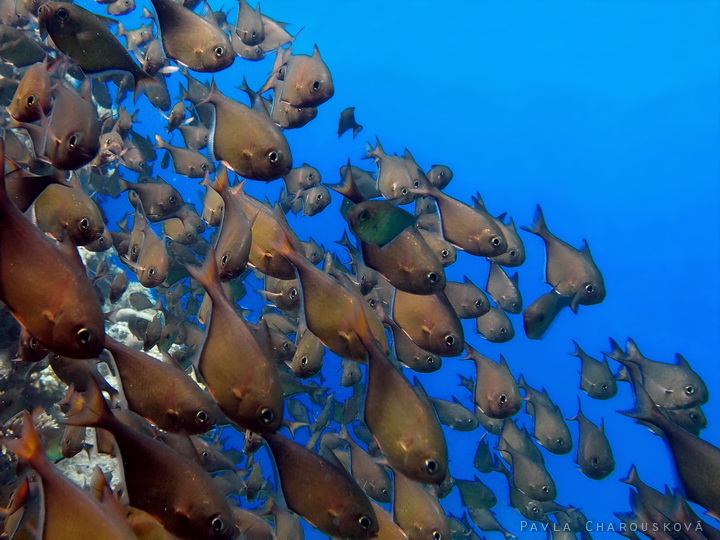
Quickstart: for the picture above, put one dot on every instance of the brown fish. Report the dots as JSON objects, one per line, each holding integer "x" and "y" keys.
{"x": 212, "y": 207}
{"x": 159, "y": 199}
{"x": 192, "y": 40}
{"x": 153, "y": 263}
{"x": 237, "y": 367}
{"x": 504, "y": 289}
{"x": 417, "y": 511}
{"x": 61, "y": 210}
{"x": 337, "y": 507}
{"x": 190, "y": 163}
{"x": 515, "y": 254}
{"x": 301, "y": 80}
{"x": 234, "y": 241}
{"x": 44, "y": 285}
{"x": 496, "y": 392}
{"x": 372, "y": 477}
{"x": 495, "y": 326}
{"x": 467, "y": 299}
{"x": 394, "y": 180}
{"x": 158, "y": 479}
{"x": 247, "y": 140}
{"x": 430, "y": 321}
{"x": 162, "y": 392}
{"x": 33, "y": 96}
{"x": 68, "y": 512}
{"x": 440, "y": 176}
{"x": 308, "y": 358}
{"x": 539, "y": 315}
{"x": 249, "y": 26}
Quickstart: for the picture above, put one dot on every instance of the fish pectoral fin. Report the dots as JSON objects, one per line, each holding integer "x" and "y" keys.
{"x": 47, "y": 314}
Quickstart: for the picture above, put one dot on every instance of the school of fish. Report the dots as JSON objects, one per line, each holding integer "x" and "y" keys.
{"x": 155, "y": 362}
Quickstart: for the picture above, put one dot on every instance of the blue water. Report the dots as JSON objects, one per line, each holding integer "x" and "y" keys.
{"x": 605, "y": 113}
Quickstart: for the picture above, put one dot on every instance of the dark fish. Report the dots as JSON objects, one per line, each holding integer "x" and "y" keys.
{"x": 483, "y": 459}
{"x": 486, "y": 520}
{"x": 515, "y": 254}
{"x": 549, "y": 426}
{"x": 153, "y": 264}
{"x": 19, "y": 47}
{"x": 417, "y": 510}
{"x": 338, "y": 506}
{"x": 444, "y": 250}
{"x": 692, "y": 419}
{"x": 454, "y": 414}
{"x": 467, "y": 299}
{"x": 440, "y": 176}
{"x": 236, "y": 365}
{"x": 62, "y": 209}
{"x": 85, "y": 38}
{"x": 364, "y": 181}
{"x": 372, "y": 477}
{"x": 495, "y": 326}
{"x": 190, "y": 163}
{"x": 594, "y": 454}
{"x": 158, "y": 479}
{"x": 44, "y": 285}
{"x": 696, "y": 460}
{"x": 303, "y": 177}
{"x": 33, "y": 96}
{"x": 475, "y": 494}
{"x": 136, "y": 37}
{"x": 671, "y": 386}
{"x": 347, "y": 121}
{"x": 176, "y": 116}
{"x": 410, "y": 354}
{"x": 402, "y": 420}
{"x": 596, "y": 379}
{"x": 539, "y": 315}
{"x": 308, "y": 357}
{"x": 394, "y": 179}
{"x": 301, "y": 80}
{"x": 249, "y": 26}
{"x": 247, "y": 140}
{"x": 571, "y": 271}
{"x": 159, "y": 199}
{"x": 195, "y": 137}
{"x": 430, "y": 321}
{"x": 68, "y": 512}
{"x": 192, "y": 40}
{"x": 528, "y": 475}
{"x": 378, "y": 222}
{"x": 496, "y": 392}
{"x": 504, "y": 289}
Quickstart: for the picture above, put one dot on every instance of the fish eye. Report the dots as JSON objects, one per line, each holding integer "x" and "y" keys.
{"x": 293, "y": 293}
{"x": 437, "y": 535}
{"x": 273, "y": 156}
{"x": 311, "y": 176}
{"x": 503, "y": 330}
{"x": 445, "y": 253}
{"x": 85, "y": 337}
{"x": 364, "y": 215}
{"x": 202, "y": 416}
{"x": 449, "y": 340}
{"x": 281, "y": 73}
{"x": 205, "y": 455}
{"x": 559, "y": 442}
{"x": 33, "y": 343}
{"x": 432, "y": 278}
{"x": 372, "y": 303}
{"x": 689, "y": 390}
{"x": 316, "y": 86}
{"x": 84, "y": 224}
{"x": 545, "y": 489}
{"x": 535, "y": 510}
{"x": 365, "y": 523}
{"x": 416, "y": 183}
{"x": 31, "y": 100}
{"x": 224, "y": 260}
{"x": 404, "y": 191}
{"x": 694, "y": 417}
{"x": 191, "y": 237}
{"x": 496, "y": 241}
{"x": 430, "y": 360}
{"x": 62, "y": 14}
{"x": 589, "y": 288}
{"x": 286, "y": 346}
{"x": 72, "y": 142}
{"x": 173, "y": 199}
{"x": 384, "y": 491}
{"x": 431, "y": 466}
{"x": 134, "y": 250}
{"x": 320, "y": 196}
{"x": 304, "y": 361}
{"x": 479, "y": 303}
{"x": 219, "y": 51}
{"x": 204, "y": 166}
{"x": 152, "y": 271}
{"x": 217, "y": 524}
{"x": 503, "y": 399}
{"x": 514, "y": 305}
{"x": 595, "y": 461}
{"x": 267, "y": 415}
{"x": 604, "y": 386}
{"x": 513, "y": 253}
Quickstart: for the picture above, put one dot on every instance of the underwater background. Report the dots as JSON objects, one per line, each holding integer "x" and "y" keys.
{"x": 607, "y": 114}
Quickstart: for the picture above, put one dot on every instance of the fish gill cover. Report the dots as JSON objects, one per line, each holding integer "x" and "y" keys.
{"x": 604, "y": 116}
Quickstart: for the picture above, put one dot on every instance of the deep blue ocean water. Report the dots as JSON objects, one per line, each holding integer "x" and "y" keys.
{"x": 605, "y": 113}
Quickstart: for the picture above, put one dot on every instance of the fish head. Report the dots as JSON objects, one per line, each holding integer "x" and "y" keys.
{"x": 86, "y": 228}
{"x": 591, "y": 292}
{"x": 492, "y": 241}
{"x": 503, "y": 403}
{"x": 57, "y": 19}
{"x": 273, "y": 161}
{"x": 75, "y": 334}
{"x": 74, "y": 149}
{"x": 218, "y": 56}
{"x": 429, "y": 467}
{"x": 425, "y": 362}
{"x": 121, "y": 7}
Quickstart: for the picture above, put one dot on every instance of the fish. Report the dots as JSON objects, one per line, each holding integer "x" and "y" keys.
{"x": 454, "y": 414}
{"x": 177, "y": 116}
{"x": 440, "y": 176}
{"x": 496, "y": 392}
{"x": 417, "y": 510}
{"x": 483, "y": 459}
{"x": 338, "y": 506}
{"x": 347, "y": 122}
{"x": 539, "y": 315}
{"x": 191, "y": 40}
{"x": 696, "y": 460}
{"x": 549, "y": 426}
{"x": 249, "y": 26}
{"x": 33, "y": 97}
{"x": 307, "y": 360}
{"x": 430, "y": 321}
{"x": 394, "y": 179}
{"x": 444, "y": 250}
{"x": 495, "y": 326}
{"x": 410, "y": 354}
{"x": 471, "y": 229}
{"x": 529, "y": 475}
{"x": 190, "y": 163}
{"x": 573, "y": 272}
{"x": 247, "y": 140}
{"x": 67, "y": 210}
{"x": 153, "y": 264}
{"x": 44, "y": 285}
{"x": 301, "y": 80}
{"x": 196, "y": 137}
{"x": 467, "y": 299}
{"x": 515, "y": 254}
{"x": 671, "y": 386}
{"x": 475, "y": 494}
{"x": 596, "y": 379}
{"x": 159, "y": 199}
{"x": 86, "y": 38}
{"x": 378, "y": 222}
{"x": 504, "y": 289}
{"x": 162, "y": 392}
{"x": 158, "y": 479}
{"x": 67, "y": 511}
{"x": 594, "y": 454}
{"x": 247, "y": 388}
{"x": 372, "y": 477}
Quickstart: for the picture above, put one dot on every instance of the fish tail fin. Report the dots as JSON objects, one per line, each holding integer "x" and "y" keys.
{"x": 632, "y": 478}
{"x": 145, "y": 83}
{"x": 538, "y": 226}
{"x": 90, "y": 409}
{"x": 160, "y": 143}
{"x": 646, "y": 410}
{"x": 616, "y": 352}
{"x": 221, "y": 184}
{"x": 348, "y": 187}
{"x": 579, "y": 353}
{"x": 28, "y": 447}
